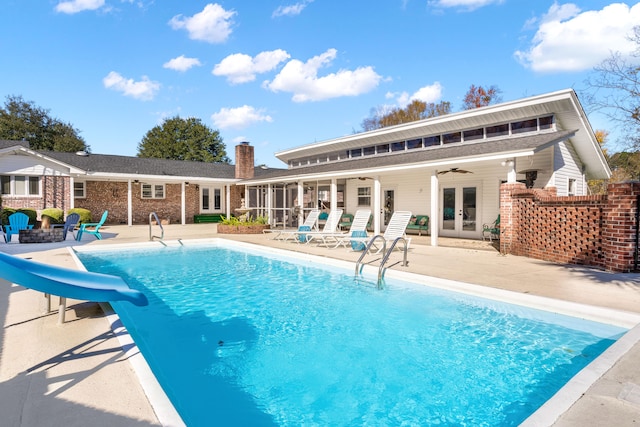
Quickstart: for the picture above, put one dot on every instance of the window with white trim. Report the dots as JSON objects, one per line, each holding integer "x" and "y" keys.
{"x": 364, "y": 196}
{"x": 79, "y": 190}
{"x": 152, "y": 191}
{"x": 20, "y": 185}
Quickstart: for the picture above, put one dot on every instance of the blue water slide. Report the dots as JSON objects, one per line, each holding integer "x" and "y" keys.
{"x": 67, "y": 283}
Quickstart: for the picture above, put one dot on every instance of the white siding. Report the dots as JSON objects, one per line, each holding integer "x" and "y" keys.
{"x": 568, "y": 166}
{"x": 27, "y": 165}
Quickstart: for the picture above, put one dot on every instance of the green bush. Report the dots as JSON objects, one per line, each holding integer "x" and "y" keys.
{"x": 6, "y": 213}
{"x": 232, "y": 220}
{"x": 56, "y": 215}
{"x": 85, "y": 214}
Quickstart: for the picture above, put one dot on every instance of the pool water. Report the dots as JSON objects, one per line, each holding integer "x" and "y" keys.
{"x": 239, "y": 338}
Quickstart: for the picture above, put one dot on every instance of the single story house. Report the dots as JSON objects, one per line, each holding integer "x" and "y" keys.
{"x": 449, "y": 168}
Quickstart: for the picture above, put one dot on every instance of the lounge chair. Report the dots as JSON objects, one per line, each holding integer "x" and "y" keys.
{"x": 395, "y": 229}
{"x": 345, "y": 221}
{"x": 358, "y": 229}
{"x": 92, "y": 227}
{"x": 69, "y": 224}
{"x": 310, "y": 223}
{"x": 330, "y": 229}
{"x": 17, "y": 221}
{"x": 492, "y": 230}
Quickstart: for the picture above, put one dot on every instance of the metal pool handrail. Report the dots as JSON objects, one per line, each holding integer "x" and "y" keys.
{"x": 153, "y": 216}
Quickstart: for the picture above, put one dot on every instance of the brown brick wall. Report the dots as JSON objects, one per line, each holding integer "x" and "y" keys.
{"x": 55, "y": 194}
{"x": 103, "y": 195}
{"x": 597, "y": 231}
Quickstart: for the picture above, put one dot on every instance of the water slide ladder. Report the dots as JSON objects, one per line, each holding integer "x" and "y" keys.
{"x": 385, "y": 257}
{"x": 153, "y": 216}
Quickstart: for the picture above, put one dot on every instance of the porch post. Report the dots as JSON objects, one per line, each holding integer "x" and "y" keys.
{"x": 334, "y": 194}
{"x": 300, "y": 203}
{"x": 71, "y": 192}
{"x": 434, "y": 222}
{"x": 269, "y": 207}
{"x": 377, "y": 212}
{"x": 183, "y": 202}
{"x": 227, "y": 204}
{"x": 129, "y": 204}
{"x": 511, "y": 171}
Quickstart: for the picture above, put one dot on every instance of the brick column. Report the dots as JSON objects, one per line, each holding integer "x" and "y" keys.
{"x": 508, "y": 218}
{"x": 619, "y": 228}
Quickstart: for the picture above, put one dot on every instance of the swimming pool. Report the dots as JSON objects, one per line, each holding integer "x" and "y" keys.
{"x": 230, "y": 347}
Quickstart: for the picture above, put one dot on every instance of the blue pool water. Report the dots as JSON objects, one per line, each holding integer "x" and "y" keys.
{"x": 241, "y": 339}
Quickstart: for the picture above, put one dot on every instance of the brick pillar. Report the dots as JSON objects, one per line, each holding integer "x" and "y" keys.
{"x": 244, "y": 161}
{"x": 619, "y": 226}
{"x": 508, "y": 217}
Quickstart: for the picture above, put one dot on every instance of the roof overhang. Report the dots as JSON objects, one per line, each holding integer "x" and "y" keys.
{"x": 564, "y": 105}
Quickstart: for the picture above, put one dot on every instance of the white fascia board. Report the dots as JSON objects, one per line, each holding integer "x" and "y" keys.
{"x": 104, "y": 176}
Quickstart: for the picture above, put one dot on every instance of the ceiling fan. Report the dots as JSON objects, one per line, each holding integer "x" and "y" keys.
{"x": 454, "y": 170}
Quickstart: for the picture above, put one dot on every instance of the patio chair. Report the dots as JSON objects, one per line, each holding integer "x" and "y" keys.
{"x": 310, "y": 223}
{"x": 345, "y": 221}
{"x": 17, "y": 221}
{"x": 92, "y": 227}
{"x": 69, "y": 224}
{"x": 358, "y": 229}
{"x": 330, "y": 229}
{"x": 492, "y": 230}
{"x": 395, "y": 229}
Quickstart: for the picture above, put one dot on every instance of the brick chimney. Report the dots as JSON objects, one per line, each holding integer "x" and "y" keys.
{"x": 244, "y": 161}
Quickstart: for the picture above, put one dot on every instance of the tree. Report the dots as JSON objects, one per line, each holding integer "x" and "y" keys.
{"x": 478, "y": 97}
{"x": 599, "y": 186}
{"x": 183, "y": 139}
{"x": 614, "y": 90}
{"x": 416, "y": 110}
{"x": 23, "y": 120}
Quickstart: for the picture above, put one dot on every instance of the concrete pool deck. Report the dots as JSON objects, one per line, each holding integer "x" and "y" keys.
{"x": 69, "y": 374}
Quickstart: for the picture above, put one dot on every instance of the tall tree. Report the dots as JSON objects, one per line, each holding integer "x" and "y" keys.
{"x": 614, "y": 90}
{"x": 416, "y": 110}
{"x": 183, "y": 139}
{"x": 478, "y": 96}
{"x": 24, "y": 120}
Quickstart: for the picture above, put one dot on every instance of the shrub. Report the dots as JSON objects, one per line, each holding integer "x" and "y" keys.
{"x": 232, "y": 220}
{"x": 31, "y": 213}
{"x": 56, "y": 215}
{"x": 85, "y": 214}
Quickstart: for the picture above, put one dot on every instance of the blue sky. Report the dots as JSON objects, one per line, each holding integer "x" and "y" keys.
{"x": 280, "y": 74}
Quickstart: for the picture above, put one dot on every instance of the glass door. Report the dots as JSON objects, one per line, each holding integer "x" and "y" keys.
{"x": 458, "y": 213}
{"x": 210, "y": 199}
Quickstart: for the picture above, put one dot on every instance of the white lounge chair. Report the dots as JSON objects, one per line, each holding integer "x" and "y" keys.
{"x": 310, "y": 224}
{"x": 358, "y": 229}
{"x": 396, "y": 228}
{"x": 330, "y": 228}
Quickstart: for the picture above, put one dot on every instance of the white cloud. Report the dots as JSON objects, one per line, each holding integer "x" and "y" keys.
{"x": 429, "y": 94}
{"x": 464, "y": 4}
{"x": 302, "y": 80}
{"x": 144, "y": 89}
{"x": 212, "y": 25}
{"x": 570, "y": 40}
{"x": 75, "y": 6}
{"x": 181, "y": 63}
{"x": 291, "y": 10}
{"x": 241, "y": 68}
{"x": 237, "y": 118}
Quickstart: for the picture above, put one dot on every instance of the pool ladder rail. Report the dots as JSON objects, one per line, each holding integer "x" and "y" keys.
{"x": 385, "y": 257}
{"x": 153, "y": 216}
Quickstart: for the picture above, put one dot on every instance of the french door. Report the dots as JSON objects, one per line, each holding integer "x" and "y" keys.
{"x": 210, "y": 199}
{"x": 458, "y": 211}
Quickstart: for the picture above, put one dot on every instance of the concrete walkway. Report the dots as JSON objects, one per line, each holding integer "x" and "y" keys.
{"x": 78, "y": 374}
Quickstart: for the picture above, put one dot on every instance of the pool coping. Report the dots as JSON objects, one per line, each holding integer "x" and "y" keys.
{"x": 547, "y": 414}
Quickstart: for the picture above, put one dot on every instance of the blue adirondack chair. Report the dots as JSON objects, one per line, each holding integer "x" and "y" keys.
{"x": 92, "y": 227}
{"x": 17, "y": 221}
{"x": 69, "y": 224}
